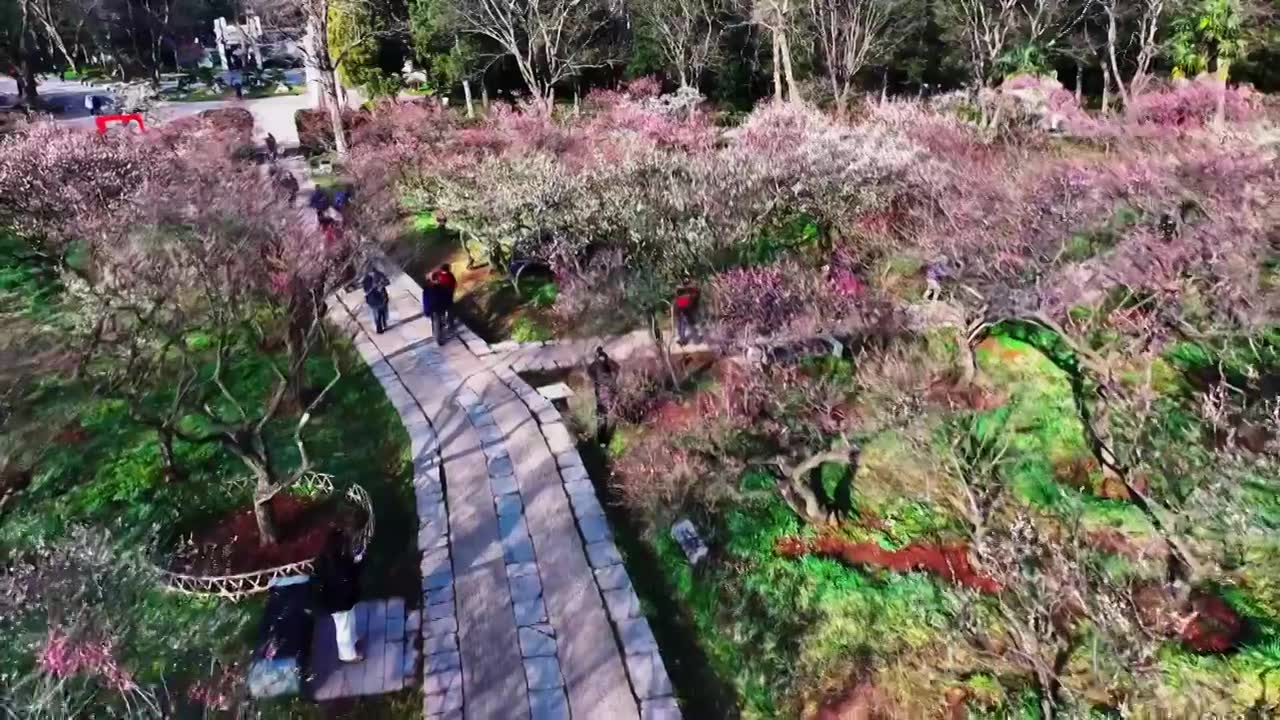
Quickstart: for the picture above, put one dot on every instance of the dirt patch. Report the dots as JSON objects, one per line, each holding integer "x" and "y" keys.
{"x": 231, "y": 545}
{"x": 862, "y": 701}
{"x": 1204, "y": 622}
{"x": 949, "y": 562}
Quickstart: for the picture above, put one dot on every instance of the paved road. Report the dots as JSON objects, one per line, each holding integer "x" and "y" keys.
{"x": 271, "y": 114}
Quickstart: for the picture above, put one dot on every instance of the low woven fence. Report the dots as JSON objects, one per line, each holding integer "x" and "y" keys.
{"x": 242, "y": 585}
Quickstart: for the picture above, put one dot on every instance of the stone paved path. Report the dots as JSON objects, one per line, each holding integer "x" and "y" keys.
{"x": 528, "y": 610}
{"x": 387, "y": 640}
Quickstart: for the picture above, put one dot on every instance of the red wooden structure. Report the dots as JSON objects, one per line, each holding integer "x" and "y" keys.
{"x": 103, "y": 120}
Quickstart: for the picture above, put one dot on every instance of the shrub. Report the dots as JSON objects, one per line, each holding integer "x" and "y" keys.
{"x": 1190, "y": 104}
{"x": 238, "y": 120}
{"x": 315, "y": 129}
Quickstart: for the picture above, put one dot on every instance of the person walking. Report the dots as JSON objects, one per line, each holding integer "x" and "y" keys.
{"x": 337, "y": 579}
{"x": 290, "y": 185}
{"x": 686, "y": 310}
{"x": 273, "y": 147}
{"x": 319, "y": 201}
{"x": 375, "y": 294}
{"x": 603, "y": 372}
{"x": 441, "y": 287}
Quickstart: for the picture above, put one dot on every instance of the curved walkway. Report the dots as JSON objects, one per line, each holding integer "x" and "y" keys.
{"x": 527, "y": 609}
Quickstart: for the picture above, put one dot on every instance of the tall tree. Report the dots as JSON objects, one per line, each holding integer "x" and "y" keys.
{"x": 853, "y": 34}
{"x": 780, "y": 18}
{"x": 686, "y": 32}
{"x": 551, "y": 41}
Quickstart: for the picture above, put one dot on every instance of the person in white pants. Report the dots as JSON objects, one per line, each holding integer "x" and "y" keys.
{"x": 337, "y": 578}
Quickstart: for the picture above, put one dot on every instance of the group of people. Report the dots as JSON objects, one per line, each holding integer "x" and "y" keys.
{"x": 437, "y": 299}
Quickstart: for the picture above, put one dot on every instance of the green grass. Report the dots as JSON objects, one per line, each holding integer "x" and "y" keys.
{"x": 777, "y": 629}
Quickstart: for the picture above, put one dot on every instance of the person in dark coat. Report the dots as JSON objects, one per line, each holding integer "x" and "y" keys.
{"x": 318, "y": 201}
{"x": 603, "y": 372}
{"x": 337, "y": 580}
{"x": 273, "y": 147}
{"x": 375, "y": 294}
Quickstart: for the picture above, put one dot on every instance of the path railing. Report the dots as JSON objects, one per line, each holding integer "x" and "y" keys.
{"x": 242, "y": 585}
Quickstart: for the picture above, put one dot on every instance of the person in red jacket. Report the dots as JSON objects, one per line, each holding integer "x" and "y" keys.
{"x": 686, "y": 310}
{"x": 441, "y": 285}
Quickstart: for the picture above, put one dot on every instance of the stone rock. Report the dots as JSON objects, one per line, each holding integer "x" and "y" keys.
{"x": 684, "y": 533}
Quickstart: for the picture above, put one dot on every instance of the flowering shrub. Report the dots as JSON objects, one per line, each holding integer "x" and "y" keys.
{"x": 64, "y": 657}
{"x": 1190, "y": 104}
{"x": 53, "y": 178}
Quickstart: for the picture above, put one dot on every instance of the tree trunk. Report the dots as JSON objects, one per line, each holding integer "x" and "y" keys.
{"x": 1223, "y": 72}
{"x": 484, "y": 95}
{"x": 171, "y": 471}
{"x": 466, "y": 92}
{"x": 268, "y": 534}
{"x": 1079, "y": 83}
{"x": 264, "y": 480}
{"x": 1106, "y": 91}
{"x": 329, "y": 85}
{"x": 793, "y": 90}
{"x": 26, "y": 49}
{"x": 777, "y": 69}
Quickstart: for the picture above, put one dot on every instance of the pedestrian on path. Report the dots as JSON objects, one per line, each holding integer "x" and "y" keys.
{"x": 319, "y": 201}
{"x": 273, "y": 148}
{"x": 441, "y": 286}
{"x": 375, "y": 294}
{"x": 337, "y": 579}
{"x": 603, "y": 372}
{"x": 290, "y": 185}
{"x": 686, "y": 310}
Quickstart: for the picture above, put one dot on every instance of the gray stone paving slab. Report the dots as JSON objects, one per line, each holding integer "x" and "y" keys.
{"x": 509, "y": 504}
{"x": 549, "y": 704}
{"x": 603, "y": 553}
{"x": 543, "y": 673}
{"x": 442, "y": 661}
{"x": 517, "y": 549}
{"x": 594, "y": 528}
{"x": 536, "y": 640}
{"x": 531, "y": 612}
{"x": 636, "y": 636}
{"x": 440, "y": 611}
{"x": 492, "y": 679}
{"x": 664, "y": 708}
{"x": 612, "y": 577}
{"x": 622, "y": 603}
{"x": 648, "y": 675}
{"x": 525, "y": 587}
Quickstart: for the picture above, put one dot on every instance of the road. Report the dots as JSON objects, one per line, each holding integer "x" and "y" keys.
{"x": 271, "y": 114}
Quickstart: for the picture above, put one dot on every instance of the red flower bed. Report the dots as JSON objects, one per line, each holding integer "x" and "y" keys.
{"x": 950, "y": 562}
{"x": 231, "y": 545}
